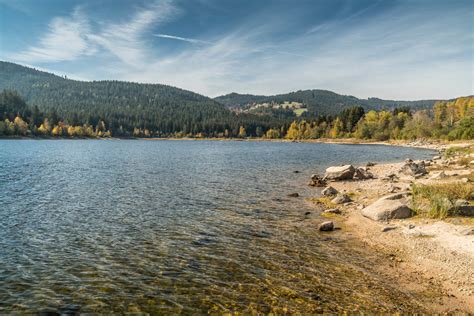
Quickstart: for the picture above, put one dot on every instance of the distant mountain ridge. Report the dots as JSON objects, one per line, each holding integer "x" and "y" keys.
{"x": 320, "y": 101}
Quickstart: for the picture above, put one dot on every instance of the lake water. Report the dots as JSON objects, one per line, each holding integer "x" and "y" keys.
{"x": 166, "y": 227}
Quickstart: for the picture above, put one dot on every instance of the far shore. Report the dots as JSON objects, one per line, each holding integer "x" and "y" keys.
{"x": 434, "y": 144}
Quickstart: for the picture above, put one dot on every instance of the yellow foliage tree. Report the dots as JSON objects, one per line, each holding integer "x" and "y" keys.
{"x": 57, "y": 131}
{"x": 42, "y": 130}
{"x": 242, "y": 132}
{"x": 293, "y": 131}
{"x": 20, "y": 125}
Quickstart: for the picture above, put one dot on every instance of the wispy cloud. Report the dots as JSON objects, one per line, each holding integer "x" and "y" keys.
{"x": 126, "y": 40}
{"x": 184, "y": 39}
{"x": 69, "y": 38}
{"x": 65, "y": 40}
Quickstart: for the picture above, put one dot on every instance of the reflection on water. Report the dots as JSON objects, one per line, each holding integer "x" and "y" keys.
{"x": 176, "y": 226}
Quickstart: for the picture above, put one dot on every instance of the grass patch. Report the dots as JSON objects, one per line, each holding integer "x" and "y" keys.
{"x": 437, "y": 200}
{"x": 326, "y": 201}
{"x": 464, "y": 161}
{"x": 454, "y": 151}
{"x": 299, "y": 112}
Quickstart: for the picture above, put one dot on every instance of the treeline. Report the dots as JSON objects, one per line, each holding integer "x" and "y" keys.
{"x": 447, "y": 120}
{"x": 18, "y": 118}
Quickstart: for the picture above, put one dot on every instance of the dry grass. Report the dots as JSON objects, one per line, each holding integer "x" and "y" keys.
{"x": 464, "y": 161}
{"x": 455, "y": 151}
{"x": 437, "y": 200}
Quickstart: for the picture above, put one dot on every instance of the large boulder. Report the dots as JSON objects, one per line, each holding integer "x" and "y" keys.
{"x": 412, "y": 168}
{"x": 388, "y": 207}
{"x": 338, "y": 173}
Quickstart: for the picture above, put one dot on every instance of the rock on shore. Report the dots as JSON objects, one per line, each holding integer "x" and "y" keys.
{"x": 339, "y": 173}
{"x": 388, "y": 207}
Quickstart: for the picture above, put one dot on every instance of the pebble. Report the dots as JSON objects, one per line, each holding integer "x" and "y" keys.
{"x": 388, "y": 228}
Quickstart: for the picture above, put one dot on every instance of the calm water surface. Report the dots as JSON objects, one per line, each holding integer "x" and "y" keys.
{"x": 166, "y": 227}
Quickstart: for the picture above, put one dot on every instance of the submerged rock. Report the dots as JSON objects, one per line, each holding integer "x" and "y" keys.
{"x": 339, "y": 173}
{"x": 341, "y": 199}
{"x": 388, "y": 207}
{"x": 329, "y": 191}
{"x": 326, "y": 226}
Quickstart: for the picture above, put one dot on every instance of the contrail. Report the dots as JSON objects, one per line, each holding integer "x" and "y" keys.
{"x": 184, "y": 39}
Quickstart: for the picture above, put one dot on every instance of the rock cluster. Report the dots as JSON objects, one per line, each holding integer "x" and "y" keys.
{"x": 317, "y": 181}
{"x": 362, "y": 173}
{"x": 412, "y": 168}
{"x": 347, "y": 172}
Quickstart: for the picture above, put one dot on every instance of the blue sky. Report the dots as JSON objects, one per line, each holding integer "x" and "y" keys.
{"x": 400, "y": 49}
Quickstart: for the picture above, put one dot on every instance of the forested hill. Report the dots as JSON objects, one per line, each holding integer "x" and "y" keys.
{"x": 126, "y": 104}
{"x": 322, "y": 102}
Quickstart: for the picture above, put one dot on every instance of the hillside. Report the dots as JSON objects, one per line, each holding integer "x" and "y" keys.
{"x": 125, "y": 104}
{"x": 320, "y": 101}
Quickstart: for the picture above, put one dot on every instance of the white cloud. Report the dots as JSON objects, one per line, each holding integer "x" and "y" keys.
{"x": 65, "y": 40}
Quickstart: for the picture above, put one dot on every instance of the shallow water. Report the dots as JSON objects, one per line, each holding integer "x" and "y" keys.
{"x": 177, "y": 226}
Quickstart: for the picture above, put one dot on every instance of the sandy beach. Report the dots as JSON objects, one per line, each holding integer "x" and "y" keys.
{"x": 423, "y": 254}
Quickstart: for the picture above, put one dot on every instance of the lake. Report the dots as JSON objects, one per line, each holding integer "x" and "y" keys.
{"x": 166, "y": 227}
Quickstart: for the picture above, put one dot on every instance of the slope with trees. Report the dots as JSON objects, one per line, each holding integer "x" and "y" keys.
{"x": 321, "y": 102}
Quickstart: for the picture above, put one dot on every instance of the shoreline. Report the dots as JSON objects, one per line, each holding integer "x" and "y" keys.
{"x": 433, "y": 144}
{"x": 423, "y": 253}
